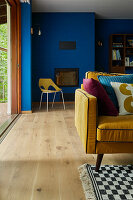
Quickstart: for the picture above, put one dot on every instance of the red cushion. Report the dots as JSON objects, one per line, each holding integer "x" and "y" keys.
{"x": 105, "y": 105}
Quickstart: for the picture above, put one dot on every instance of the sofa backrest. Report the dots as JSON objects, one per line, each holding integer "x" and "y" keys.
{"x": 94, "y": 74}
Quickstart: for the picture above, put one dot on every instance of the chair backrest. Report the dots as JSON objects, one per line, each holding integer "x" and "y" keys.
{"x": 46, "y": 83}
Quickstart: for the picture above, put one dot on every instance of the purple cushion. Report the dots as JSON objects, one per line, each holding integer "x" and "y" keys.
{"x": 105, "y": 105}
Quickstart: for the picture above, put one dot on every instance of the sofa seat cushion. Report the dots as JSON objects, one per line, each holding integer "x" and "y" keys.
{"x": 113, "y": 129}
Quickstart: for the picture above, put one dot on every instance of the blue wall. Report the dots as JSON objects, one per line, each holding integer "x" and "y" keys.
{"x": 46, "y": 54}
{"x": 25, "y": 57}
{"x": 103, "y": 29}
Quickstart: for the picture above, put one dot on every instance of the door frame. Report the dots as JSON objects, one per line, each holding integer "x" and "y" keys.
{"x": 16, "y": 55}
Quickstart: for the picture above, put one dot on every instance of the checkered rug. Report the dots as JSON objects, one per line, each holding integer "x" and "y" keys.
{"x": 110, "y": 183}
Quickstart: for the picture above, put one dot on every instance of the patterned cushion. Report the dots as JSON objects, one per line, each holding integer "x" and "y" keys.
{"x": 124, "y": 94}
{"x": 105, "y": 81}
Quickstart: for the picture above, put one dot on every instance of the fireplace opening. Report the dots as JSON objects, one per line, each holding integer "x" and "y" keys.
{"x": 67, "y": 77}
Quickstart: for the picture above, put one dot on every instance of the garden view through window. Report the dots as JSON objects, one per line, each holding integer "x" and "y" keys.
{"x": 3, "y": 63}
{"x": 4, "y": 115}
{"x": 5, "y": 66}
{"x": 3, "y": 73}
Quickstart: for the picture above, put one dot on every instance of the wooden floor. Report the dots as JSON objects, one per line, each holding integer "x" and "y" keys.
{"x": 40, "y": 156}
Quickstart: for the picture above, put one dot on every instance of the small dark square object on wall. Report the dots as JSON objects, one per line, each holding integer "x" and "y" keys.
{"x": 68, "y": 45}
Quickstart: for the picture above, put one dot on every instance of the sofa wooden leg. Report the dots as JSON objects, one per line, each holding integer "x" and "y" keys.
{"x": 99, "y": 160}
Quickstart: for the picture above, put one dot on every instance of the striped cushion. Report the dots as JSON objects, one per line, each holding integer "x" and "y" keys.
{"x": 105, "y": 81}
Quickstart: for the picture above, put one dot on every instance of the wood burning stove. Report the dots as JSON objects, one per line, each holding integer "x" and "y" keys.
{"x": 67, "y": 77}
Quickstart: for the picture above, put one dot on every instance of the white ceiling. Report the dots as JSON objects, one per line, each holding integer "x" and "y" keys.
{"x": 107, "y": 9}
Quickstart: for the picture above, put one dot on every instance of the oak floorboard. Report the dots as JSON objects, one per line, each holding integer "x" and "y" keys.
{"x": 40, "y": 156}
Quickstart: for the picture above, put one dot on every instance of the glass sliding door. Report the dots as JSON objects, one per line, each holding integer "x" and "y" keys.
{"x": 3, "y": 63}
{"x": 6, "y": 116}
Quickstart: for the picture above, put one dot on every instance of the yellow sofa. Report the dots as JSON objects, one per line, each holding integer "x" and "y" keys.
{"x": 101, "y": 134}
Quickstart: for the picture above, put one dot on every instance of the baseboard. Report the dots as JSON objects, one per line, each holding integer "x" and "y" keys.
{"x": 26, "y": 112}
{"x": 66, "y": 102}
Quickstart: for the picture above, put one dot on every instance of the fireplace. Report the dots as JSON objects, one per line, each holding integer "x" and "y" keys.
{"x": 67, "y": 77}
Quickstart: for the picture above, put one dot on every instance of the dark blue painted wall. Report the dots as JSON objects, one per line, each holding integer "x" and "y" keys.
{"x": 103, "y": 29}
{"x": 26, "y": 56}
{"x": 46, "y": 54}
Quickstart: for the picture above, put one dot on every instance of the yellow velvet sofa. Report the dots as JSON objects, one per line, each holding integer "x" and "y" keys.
{"x": 101, "y": 134}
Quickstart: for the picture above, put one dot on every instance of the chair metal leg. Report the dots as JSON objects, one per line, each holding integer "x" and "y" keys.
{"x": 53, "y": 99}
{"x": 63, "y": 100}
{"x": 47, "y": 101}
{"x": 40, "y": 101}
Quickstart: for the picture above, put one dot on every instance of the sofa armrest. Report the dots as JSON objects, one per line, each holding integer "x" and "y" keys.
{"x": 85, "y": 119}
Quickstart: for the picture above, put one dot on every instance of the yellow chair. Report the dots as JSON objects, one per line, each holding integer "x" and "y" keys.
{"x": 44, "y": 84}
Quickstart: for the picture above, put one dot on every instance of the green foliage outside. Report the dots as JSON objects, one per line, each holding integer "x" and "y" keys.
{"x": 3, "y": 63}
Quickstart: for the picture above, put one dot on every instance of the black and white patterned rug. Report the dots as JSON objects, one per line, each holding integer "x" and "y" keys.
{"x": 110, "y": 183}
